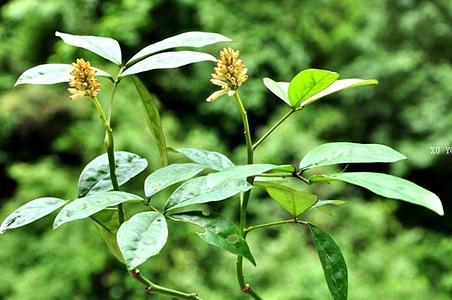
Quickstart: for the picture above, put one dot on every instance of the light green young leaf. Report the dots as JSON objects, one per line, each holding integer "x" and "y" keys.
{"x": 293, "y": 201}
{"x": 343, "y": 152}
{"x": 240, "y": 172}
{"x": 106, "y": 223}
{"x": 95, "y": 177}
{"x": 333, "y": 263}
{"x": 202, "y": 190}
{"x": 142, "y": 237}
{"x": 280, "y": 89}
{"x": 153, "y": 120}
{"x": 210, "y": 159}
{"x": 187, "y": 39}
{"x": 391, "y": 187}
{"x": 167, "y": 60}
{"x": 309, "y": 82}
{"x": 107, "y": 48}
{"x": 328, "y": 202}
{"x": 219, "y": 232}
{"x": 337, "y": 86}
{"x": 169, "y": 175}
{"x": 30, "y": 212}
{"x": 84, "y": 207}
{"x": 51, "y": 74}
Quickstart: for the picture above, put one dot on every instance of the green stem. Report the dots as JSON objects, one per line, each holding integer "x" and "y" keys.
{"x": 274, "y": 127}
{"x": 244, "y": 197}
{"x": 152, "y": 288}
{"x": 110, "y": 146}
{"x": 270, "y": 224}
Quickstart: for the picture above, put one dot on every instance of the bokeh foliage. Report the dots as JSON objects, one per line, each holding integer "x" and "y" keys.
{"x": 392, "y": 252}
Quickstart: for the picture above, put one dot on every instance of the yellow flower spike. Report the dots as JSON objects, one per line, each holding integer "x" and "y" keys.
{"x": 83, "y": 80}
{"x": 229, "y": 74}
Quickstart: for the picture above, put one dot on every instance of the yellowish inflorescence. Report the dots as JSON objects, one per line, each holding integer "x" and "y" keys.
{"x": 230, "y": 74}
{"x": 83, "y": 81}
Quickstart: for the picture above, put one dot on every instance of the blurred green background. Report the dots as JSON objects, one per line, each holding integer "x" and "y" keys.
{"x": 393, "y": 250}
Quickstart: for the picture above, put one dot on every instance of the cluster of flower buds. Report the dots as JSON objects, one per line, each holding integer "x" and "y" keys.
{"x": 83, "y": 81}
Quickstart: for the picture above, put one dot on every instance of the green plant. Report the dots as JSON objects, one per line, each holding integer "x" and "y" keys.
{"x": 134, "y": 239}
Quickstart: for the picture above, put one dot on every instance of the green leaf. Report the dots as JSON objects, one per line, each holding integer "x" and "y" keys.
{"x": 202, "y": 190}
{"x": 210, "y": 159}
{"x": 95, "y": 177}
{"x": 153, "y": 118}
{"x": 169, "y": 175}
{"x": 107, "y": 48}
{"x": 337, "y": 86}
{"x": 219, "y": 232}
{"x": 30, "y": 212}
{"x": 293, "y": 201}
{"x": 342, "y": 152}
{"x": 142, "y": 237}
{"x": 187, "y": 39}
{"x": 309, "y": 82}
{"x": 215, "y": 186}
{"x": 106, "y": 223}
{"x": 51, "y": 74}
{"x": 84, "y": 207}
{"x": 328, "y": 202}
{"x": 333, "y": 263}
{"x": 167, "y": 60}
{"x": 280, "y": 89}
{"x": 392, "y": 187}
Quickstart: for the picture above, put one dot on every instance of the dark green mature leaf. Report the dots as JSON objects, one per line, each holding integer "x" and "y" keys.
{"x": 167, "y": 60}
{"x": 84, "y": 207}
{"x": 391, "y": 187}
{"x": 142, "y": 237}
{"x": 169, "y": 175}
{"x": 108, "y": 48}
{"x": 186, "y": 39}
{"x": 309, "y": 82}
{"x": 220, "y": 232}
{"x": 30, "y": 212}
{"x": 95, "y": 176}
{"x": 337, "y": 86}
{"x": 333, "y": 263}
{"x": 210, "y": 159}
{"x": 203, "y": 190}
{"x": 51, "y": 74}
{"x": 107, "y": 224}
{"x": 280, "y": 89}
{"x": 343, "y": 152}
{"x": 153, "y": 118}
{"x": 293, "y": 201}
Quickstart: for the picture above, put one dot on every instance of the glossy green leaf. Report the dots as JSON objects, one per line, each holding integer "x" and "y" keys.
{"x": 107, "y": 48}
{"x": 343, "y": 152}
{"x": 150, "y": 104}
{"x": 391, "y": 187}
{"x": 328, "y": 202}
{"x": 141, "y": 237}
{"x": 309, "y": 82}
{"x": 280, "y": 89}
{"x": 84, "y": 207}
{"x": 51, "y": 74}
{"x": 333, "y": 263}
{"x": 219, "y": 232}
{"x": 95, "y": 177}
{"x": 337, "y": 86}
{"x": 240, "y": 172}
{"x": 30, "y": 212}
{"x": 203, "y": 190}
{"x": 210, "y": 159}
{"x": 169, "y": 175}
{"x": 106, "y": 223}
{"x": 293, "y": 201}
{"x": 186, "y": 39}
{"x": 167, "y": 60}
